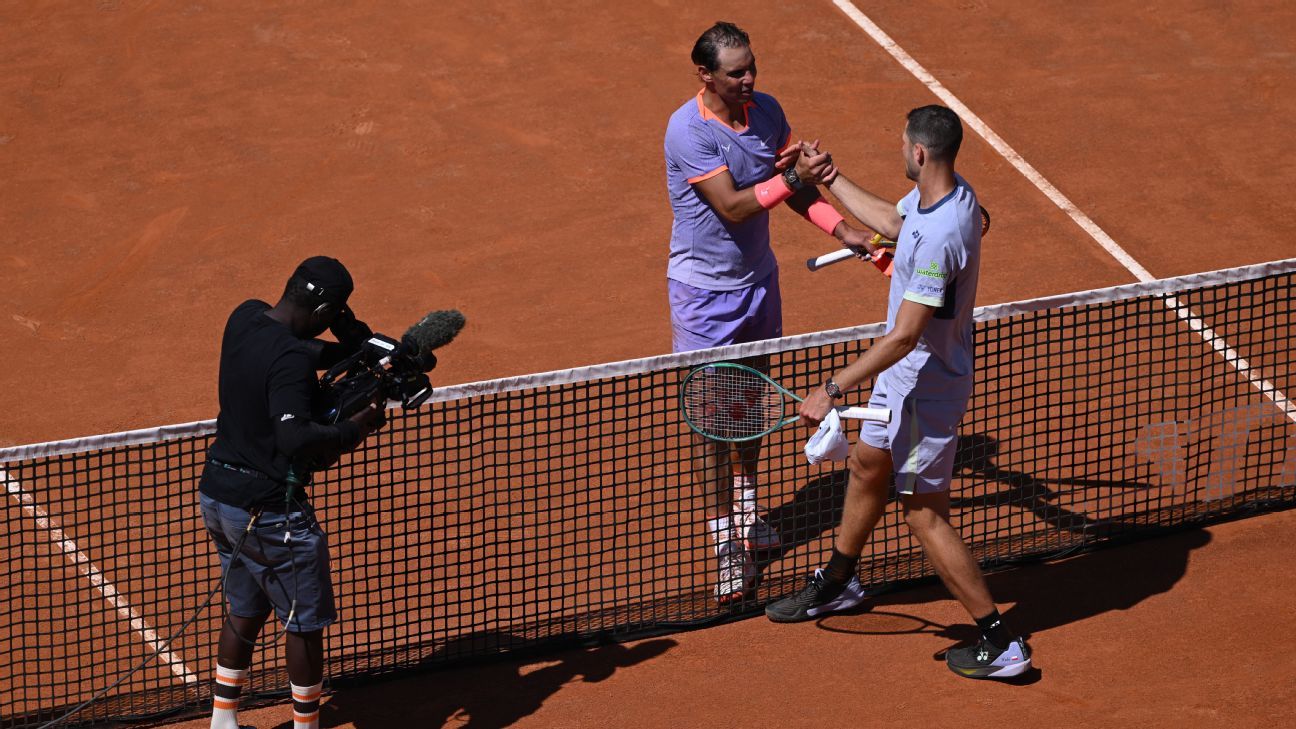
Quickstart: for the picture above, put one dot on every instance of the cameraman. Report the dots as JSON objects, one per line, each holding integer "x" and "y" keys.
{"x": 251, "y": 486}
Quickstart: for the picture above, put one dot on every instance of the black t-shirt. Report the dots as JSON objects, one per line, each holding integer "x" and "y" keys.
{"x": 266, "y": 373}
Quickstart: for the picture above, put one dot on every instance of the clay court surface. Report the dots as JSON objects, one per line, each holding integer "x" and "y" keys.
{"x": 161, "y": 162}
{"x": 1190, "y": 630}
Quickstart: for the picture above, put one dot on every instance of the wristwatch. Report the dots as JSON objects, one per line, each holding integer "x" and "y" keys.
{"x": 832, "y": 389}
{"x": 792, "y": 179}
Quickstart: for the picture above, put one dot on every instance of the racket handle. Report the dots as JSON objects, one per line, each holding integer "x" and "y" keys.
{"x": 881, "y": 258}
{"x": 828, "y": 259}
{"x": 877, "y": 415}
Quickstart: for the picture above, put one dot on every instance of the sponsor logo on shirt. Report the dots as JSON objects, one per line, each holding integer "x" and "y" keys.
{"x": 932, "y": 271}
{"x": 286, "y": 416}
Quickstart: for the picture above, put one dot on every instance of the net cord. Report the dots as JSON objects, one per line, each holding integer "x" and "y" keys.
{"x": 769, "y": 346}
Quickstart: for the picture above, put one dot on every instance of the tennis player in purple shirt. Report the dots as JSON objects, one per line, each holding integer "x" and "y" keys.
{"x": 730, "y": 158}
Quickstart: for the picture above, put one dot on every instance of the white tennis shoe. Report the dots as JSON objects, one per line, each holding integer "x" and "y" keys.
{"x": 756, "y": 533}
{"x": 736, "y": 573}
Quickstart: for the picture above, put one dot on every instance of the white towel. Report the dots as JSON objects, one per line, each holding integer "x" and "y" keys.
{"x": 829, "y": 443}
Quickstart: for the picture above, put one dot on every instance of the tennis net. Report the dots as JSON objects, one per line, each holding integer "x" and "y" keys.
{"x": 536, "y": 512}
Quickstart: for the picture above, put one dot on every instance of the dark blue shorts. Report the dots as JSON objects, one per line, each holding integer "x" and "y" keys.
{"x": 701, "y": 318}
{"x": 268, "y": 571}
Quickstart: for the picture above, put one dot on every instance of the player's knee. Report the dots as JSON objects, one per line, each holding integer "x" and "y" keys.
{"x": 920, "y": 521}
{"x": 923, "y": 515}
{"x": 868, "y": 463}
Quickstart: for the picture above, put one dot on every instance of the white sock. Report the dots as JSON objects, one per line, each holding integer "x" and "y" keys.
{"x": 719, "y": 531}
{"x": 306, "y": 705}
{"x": 225, "y": 697}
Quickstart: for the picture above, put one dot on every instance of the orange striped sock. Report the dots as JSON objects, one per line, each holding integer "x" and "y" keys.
{"x": 306, "y": 701}
{"x": 225, "y": 696}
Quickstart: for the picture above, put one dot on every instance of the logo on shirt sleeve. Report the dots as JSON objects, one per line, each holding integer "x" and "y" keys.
{"x": 932, "y": 271}
{"x": 286, "y": 416}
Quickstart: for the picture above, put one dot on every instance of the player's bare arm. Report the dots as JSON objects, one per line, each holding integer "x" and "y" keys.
{"x": 911, "y": 321}
{"x": 736, "y": 205}
{"x": 871, "y": 210}
{"x": 850, "y": 236}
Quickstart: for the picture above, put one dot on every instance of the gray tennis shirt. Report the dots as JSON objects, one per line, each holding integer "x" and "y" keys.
{"x": 937, "y": 263}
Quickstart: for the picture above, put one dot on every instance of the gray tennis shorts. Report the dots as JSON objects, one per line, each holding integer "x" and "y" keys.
{"x": 270, "y": 571}
{"x": 922, "y": 437}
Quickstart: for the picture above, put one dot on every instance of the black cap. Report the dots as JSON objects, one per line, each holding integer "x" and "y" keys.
{"x": 326, "y": 278}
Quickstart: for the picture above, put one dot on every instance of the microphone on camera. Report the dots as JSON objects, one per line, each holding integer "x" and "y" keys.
{"x": 433, "y": 331}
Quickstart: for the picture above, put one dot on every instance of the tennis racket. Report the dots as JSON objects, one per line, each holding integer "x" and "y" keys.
{"x": 732, "y": 402}
{"x": 882, "y": 258}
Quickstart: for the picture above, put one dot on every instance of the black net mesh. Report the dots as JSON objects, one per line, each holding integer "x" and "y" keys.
{"x": 521, "y": 519}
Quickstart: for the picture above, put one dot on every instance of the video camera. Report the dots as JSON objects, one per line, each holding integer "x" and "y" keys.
{"x": 386, "y": 369}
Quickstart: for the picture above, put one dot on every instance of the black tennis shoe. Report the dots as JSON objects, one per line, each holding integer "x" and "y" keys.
{"x": 983, "y": 660}
{"x": 818, "y": 598}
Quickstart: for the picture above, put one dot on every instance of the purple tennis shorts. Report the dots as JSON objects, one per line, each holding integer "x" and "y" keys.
{"x": 701, "y": 318}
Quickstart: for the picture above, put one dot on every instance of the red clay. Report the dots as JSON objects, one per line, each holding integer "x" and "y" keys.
{"x": 167, "y": 161}
{"x": 164, "y": 161}
{"x": 1191, "y": 630}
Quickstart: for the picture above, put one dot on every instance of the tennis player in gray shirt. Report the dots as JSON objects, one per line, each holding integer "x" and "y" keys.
{"x": 924, "y": 370}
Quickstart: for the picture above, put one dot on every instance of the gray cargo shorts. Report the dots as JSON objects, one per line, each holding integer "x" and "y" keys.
{"x": 283, "y": 564}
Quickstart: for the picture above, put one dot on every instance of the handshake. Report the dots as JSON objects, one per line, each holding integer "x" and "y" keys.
{"x": 812, "y": 166}
{"x": 803, "y": 164}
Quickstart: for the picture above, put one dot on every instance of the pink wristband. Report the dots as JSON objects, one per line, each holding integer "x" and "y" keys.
{"x": 772, "y": 192}
{"x": 824, "y": 215}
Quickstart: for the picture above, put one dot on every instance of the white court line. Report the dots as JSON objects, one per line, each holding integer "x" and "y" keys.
{"x": 96, "y": 577}
{"x": 1265, "y": 387}
{"x": 1000, "y": 146}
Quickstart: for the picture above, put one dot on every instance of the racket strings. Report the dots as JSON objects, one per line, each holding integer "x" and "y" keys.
{"x": 731, "y": 403}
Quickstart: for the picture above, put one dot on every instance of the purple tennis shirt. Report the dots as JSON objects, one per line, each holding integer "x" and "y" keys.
{"x": 706, "y": 251}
